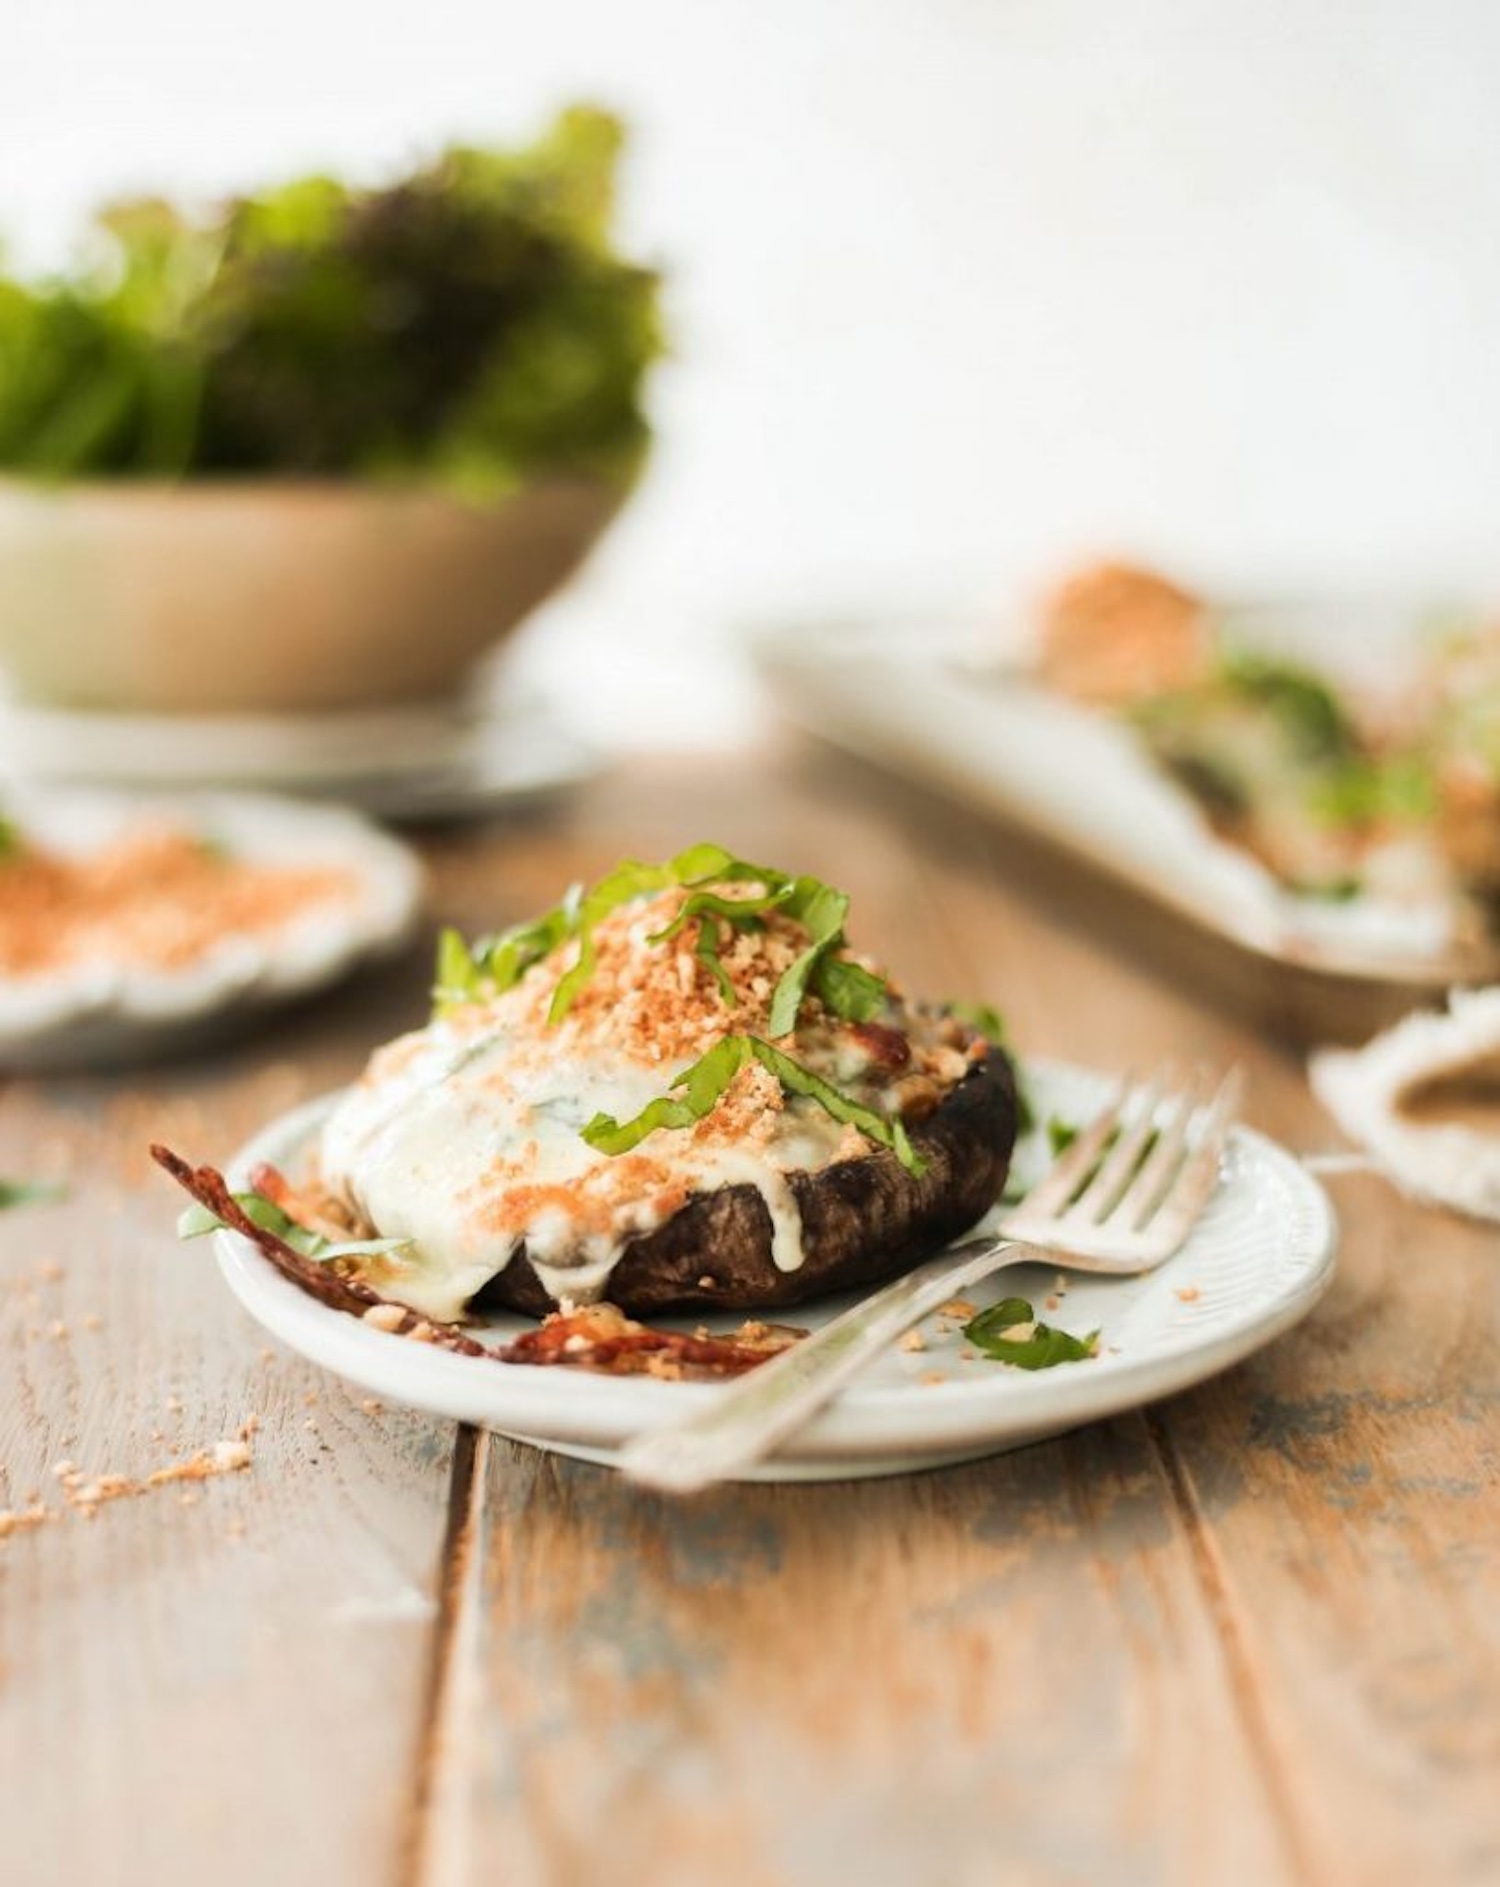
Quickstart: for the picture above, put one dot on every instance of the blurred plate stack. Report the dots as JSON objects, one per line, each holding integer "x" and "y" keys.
{"x": 432, "y": 761}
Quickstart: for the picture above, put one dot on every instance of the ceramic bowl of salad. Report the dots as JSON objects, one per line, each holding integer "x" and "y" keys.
{"x": 325, "y": 447}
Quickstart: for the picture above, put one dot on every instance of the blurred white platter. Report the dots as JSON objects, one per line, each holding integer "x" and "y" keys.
{"x": 90, "y": 1014}
{"x": 439, "y": 760}
{"x": 945, "y": 703}
{"x": 1257, "y": 1262}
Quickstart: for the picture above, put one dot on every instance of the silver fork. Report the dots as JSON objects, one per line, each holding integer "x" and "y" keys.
{"x": 1120, "y": 1199}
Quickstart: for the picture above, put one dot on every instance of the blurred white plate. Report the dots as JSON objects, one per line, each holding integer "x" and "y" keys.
{"x": 1258, "y": 1261}
{"x": 92, "y": 1014}
{"x": 436, "y": 760}
{"x": 929, "y": 706}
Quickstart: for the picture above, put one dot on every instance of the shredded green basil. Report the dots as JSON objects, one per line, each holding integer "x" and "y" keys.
{"x": 982, "y": 1016}
{"x": 1060, "y": 1134}
{"x": 698, "y": 1090}
{"x": 197, "y": 1221}
{"x": 1043, "y": 1348}
{"x": 493, "y": 965}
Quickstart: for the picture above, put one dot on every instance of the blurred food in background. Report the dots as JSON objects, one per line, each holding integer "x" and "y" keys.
{"x": 324, "y": 445}
{"x": 131, "y": 927}
{"x": 1340, "y": 790}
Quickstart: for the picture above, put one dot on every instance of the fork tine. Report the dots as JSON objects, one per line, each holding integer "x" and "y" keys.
{"x": 1103, "y": 1191}
{"x": 1157, "y": 1171}
{"x": 1071, "y": 1168}
{"x": 1176, "y": 1214}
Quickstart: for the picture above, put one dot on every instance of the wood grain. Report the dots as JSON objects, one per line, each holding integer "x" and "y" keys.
{"x": 1252, "y": 1635}
{"x": 216, "y": 1680}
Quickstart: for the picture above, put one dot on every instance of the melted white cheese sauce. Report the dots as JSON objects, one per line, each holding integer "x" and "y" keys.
{"x": 415, "y": 1147}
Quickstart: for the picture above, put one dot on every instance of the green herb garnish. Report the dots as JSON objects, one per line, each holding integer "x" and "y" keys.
{"x": 1036, "y": 1346}
{"x": 30, "y": 1192}
{"x": 982, "y": 1016}
{"x": 493, "y": 965}
{"x": 1305, "y": 705}
{"x": 1060, "y": 1134}
{"x": 703, "y": 1085}
{"x": 197, "y": 1221}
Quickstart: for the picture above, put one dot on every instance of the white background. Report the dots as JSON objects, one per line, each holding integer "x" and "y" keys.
{"x": 959, "y": 289}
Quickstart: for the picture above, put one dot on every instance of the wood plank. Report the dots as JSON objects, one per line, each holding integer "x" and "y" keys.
{"x": 211, "y": 1681}
{"x": 1348, "y": 1484}
{"x": 1000, "y": 1672}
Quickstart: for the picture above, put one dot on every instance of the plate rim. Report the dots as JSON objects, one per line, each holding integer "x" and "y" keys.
{"x": 866, "y": 1421}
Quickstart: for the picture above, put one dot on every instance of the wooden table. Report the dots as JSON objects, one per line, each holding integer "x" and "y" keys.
{"x": 1249, "y": 1635}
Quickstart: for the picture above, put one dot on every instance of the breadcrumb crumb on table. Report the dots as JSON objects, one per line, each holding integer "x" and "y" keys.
{"x": 24, "y": 1519}
{"x": 914, "y": 1341}
{"x": 1189, "y": 1293}
{"x": 85, "y": 1494}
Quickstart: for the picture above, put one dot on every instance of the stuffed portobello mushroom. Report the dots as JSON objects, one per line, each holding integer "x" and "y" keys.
{"x": 678, "y": 1089}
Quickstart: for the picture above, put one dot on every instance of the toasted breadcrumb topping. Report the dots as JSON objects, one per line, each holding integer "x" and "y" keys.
{"x": 156, "y": 897}
{"x": 658, "y": 1002}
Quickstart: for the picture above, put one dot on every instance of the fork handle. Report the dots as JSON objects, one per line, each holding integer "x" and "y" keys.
{"x": 746, "y": 1420}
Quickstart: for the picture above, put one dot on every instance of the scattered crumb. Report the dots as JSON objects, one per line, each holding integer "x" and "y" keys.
{"x": 931, "y": 1376}
{"x": 1019, "y": 1333}
{"x": 50, "y": 1269}
{"x": 706, "y": 1283}
{"x": 914, "y": 1340}
{"x": 248, "y": 1427}
{"x": 23, "y": 1519}
{"x": 174, "y": 1405}
{"x": 85, "y": 1494}
{"x": 384, "y": 1316}
{"x": 372, "y": 1407}
{"x": 57, "y": 1328}
{"x": 1189, "y": 1293}
{"x": 1052, "y": 1303}
{"x": 310, "y": 1400}
{"x": 958, "y": 1307}
{"x": 93, "y": 1321}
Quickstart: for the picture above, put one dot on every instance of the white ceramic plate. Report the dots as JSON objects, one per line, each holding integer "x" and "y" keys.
{"x": 92, "y": 1014}
{"x": 1258, "y": 1261}
{"x": 440, "y": 761}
